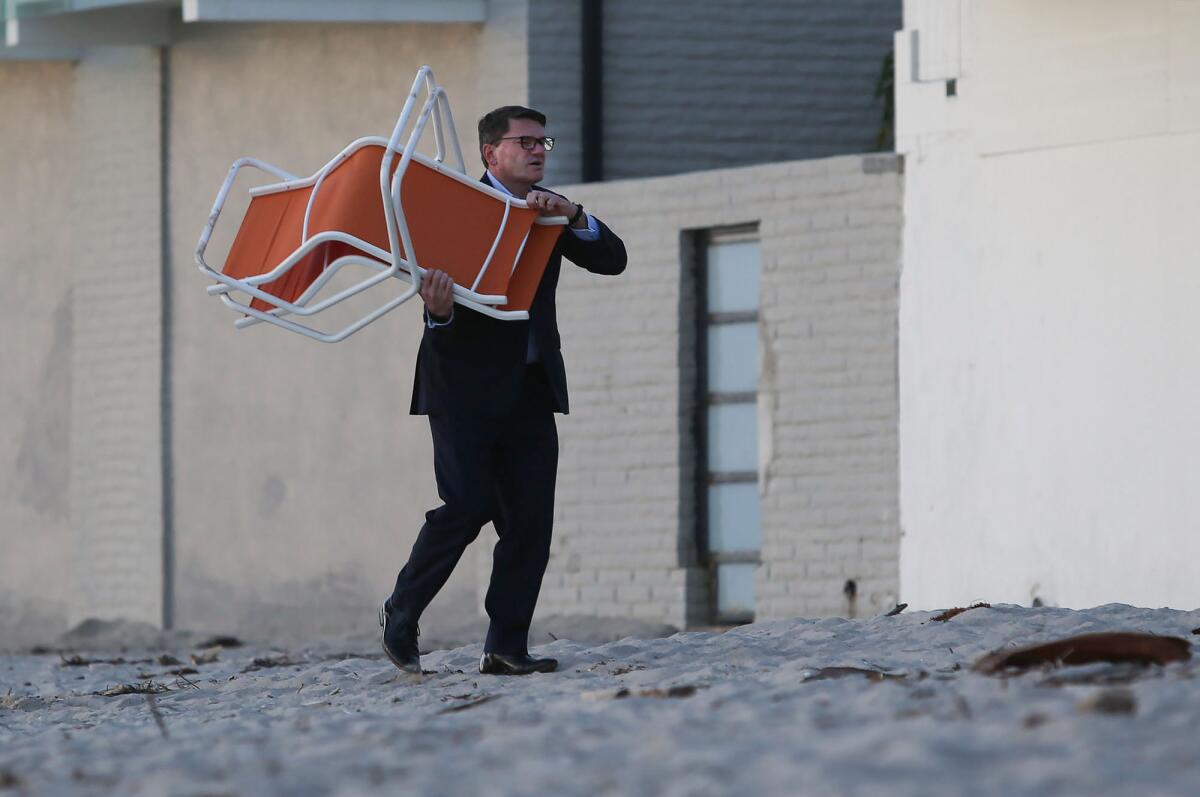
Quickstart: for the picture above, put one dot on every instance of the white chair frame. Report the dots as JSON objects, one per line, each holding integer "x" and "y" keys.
{"x": 386, "y": 264}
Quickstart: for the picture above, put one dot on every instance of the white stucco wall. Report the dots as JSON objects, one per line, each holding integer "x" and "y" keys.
{"x": 300, "y": 480}
{"x": 1048, "y": 333}
{"x": 35, "y": 368}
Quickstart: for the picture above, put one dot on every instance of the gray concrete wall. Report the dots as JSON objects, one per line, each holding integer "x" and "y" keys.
{"x": 300, "y": 479}
{"x": 38, "y": 171}
{"x": 624, "y": 534}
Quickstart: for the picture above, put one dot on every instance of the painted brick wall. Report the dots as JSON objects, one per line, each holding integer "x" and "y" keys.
{"x": 830, "y": 232}
{"x": 116, "y": 483}
{"x": 831, "y": 267}
{"x": 703, "y": 84}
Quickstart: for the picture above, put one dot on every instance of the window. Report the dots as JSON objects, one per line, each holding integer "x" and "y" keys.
{"x": 727, "y": 429}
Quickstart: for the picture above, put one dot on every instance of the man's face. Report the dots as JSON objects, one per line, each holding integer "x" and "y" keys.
{"x": 511, "y": 164}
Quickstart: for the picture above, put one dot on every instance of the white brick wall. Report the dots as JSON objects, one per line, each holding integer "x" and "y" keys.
{"x": 624, "y": 535}
{"x": 829, "y": 316}
{"x": 116, "y": 482}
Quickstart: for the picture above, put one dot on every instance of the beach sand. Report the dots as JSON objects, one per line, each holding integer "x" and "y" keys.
{"x": 755, "y": 710}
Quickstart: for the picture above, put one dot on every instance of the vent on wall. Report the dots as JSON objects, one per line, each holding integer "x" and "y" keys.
{"x": 936, "y": 41}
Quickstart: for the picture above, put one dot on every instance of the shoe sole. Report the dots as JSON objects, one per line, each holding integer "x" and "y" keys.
{"x": 416, "y": 675}
{"x": 514, "y": 673}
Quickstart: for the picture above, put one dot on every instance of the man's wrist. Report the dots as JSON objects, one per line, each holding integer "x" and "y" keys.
{"x": 577, "y": 216}
{"x": 433, "y": 320}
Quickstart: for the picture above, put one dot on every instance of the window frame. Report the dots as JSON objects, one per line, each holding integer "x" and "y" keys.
{"x": 703, "y": 398}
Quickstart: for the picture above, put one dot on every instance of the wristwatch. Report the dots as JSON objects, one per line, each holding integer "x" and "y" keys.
{"x": 578, "y": 212}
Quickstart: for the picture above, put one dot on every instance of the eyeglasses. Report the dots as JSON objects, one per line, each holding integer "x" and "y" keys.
{"x": 527, "y": 142}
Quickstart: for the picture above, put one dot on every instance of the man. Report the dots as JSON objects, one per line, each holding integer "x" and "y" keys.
{"x": 490, "y": 389}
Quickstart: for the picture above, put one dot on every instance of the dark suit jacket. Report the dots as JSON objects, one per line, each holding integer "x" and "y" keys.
{"x": 475, "y": 364}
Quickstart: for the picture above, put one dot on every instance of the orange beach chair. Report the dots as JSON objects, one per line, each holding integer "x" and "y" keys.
{"x": 398, "y": 217}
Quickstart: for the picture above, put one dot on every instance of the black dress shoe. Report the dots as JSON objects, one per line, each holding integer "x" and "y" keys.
{"x": 400, "y": 640}
{"x": 523, "y": 664}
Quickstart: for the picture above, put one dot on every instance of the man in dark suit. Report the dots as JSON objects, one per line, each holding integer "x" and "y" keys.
{"x": 490, "y": 389}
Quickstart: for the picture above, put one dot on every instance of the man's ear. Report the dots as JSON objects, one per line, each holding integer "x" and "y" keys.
{"x": 489, "y": 154}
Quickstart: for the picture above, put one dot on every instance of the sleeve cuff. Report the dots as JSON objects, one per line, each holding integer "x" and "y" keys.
{"x": 592, "y": 233}
{"x": 429, "y": 322}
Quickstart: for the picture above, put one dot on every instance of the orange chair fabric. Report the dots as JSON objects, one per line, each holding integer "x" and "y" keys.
{"x": 452, "y": 224}
{"x": 532, "y": 265}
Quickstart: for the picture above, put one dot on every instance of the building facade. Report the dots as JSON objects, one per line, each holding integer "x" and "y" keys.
{"x": 168, "y": 469}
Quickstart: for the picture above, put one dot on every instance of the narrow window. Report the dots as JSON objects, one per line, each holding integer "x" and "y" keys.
{"x": 729, "y": 519}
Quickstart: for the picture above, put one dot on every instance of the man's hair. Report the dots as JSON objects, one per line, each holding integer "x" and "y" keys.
{"x": 494, "y": 124}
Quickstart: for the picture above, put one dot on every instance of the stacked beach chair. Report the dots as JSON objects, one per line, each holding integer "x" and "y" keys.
{"x": 390, "y": 210}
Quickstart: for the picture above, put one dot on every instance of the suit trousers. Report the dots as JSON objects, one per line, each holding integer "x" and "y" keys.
{"x": 499, "y": 469}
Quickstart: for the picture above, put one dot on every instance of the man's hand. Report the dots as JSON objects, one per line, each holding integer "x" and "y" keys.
{"x": 552, "y": 205}
{"x": 437, "y": 291}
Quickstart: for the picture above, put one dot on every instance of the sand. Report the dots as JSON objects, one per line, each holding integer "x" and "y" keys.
{"x": 755, "y": 710}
